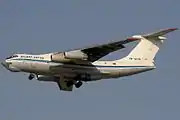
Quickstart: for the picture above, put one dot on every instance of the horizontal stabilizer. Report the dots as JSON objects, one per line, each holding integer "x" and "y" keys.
{"x": 159, "y": 33}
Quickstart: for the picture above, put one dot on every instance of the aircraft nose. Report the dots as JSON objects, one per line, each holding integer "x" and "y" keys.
{"x": 5, "y": 64}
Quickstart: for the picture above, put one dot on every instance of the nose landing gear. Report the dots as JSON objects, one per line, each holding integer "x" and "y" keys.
{"x": 31, "y": 76}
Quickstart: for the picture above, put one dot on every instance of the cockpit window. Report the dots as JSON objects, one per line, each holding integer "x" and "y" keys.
{"x": 13, "y": 56}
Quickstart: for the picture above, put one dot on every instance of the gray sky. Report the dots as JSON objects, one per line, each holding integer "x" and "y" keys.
{"x": 40, "y": 26}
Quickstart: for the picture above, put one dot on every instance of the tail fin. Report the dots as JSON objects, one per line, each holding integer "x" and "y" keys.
{"x": 149, "y": 45}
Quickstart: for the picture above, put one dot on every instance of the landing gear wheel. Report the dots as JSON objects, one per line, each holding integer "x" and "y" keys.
{"x": 31, "y": 76}
{"x": 69, "y": 83}
{"x": 78, "y": 84}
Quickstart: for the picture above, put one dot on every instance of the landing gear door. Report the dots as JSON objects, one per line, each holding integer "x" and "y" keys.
{"x": 62, "y": 84}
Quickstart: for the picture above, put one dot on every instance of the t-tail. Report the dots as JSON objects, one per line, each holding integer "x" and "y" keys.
{"x": 148, "y": 46}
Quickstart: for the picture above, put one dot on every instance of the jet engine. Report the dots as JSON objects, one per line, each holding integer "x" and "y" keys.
{"x": 68, "y": 56}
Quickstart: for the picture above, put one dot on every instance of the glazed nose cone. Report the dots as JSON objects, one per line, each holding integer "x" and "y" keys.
{"x": 4, "y": 64}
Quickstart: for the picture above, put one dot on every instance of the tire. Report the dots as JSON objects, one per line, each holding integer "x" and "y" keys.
{"x": 69, "y": 83}
{"x": 78, "y": 84}
{"x": 31, "y": 76}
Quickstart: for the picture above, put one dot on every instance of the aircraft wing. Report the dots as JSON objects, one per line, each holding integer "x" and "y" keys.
{"x": 98, "y": 51}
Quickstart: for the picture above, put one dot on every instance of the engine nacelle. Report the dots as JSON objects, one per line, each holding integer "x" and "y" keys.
{"x": 59, "y": 57}
{"x": 46, "y": 78}
{"x": 68, "y": 56}
{"x": 76, "y": 54}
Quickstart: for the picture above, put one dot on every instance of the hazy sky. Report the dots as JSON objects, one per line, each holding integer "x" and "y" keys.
{"x": 40, "y": 26}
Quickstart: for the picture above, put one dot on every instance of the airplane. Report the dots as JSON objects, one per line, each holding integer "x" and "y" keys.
{"x": 73, "y": 67}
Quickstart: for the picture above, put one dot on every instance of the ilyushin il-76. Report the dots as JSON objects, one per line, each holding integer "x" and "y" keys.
{"x": 71, "y": 68}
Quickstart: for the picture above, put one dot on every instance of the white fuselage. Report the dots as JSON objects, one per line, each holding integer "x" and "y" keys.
{"x": 42, "y": 65}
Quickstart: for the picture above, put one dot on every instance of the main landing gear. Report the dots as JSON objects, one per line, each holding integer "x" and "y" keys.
{"x": 31, "y": 76}
{"x": 78, "y": 80}
{"x": 77, "y": 84}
